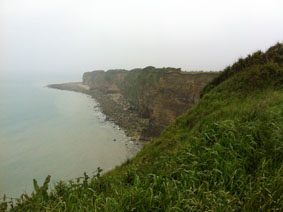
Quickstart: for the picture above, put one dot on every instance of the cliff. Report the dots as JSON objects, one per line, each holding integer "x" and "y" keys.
{"x": 107, "y": 82}
{"x": 157, "y": 94}
{"x": 224, "y": 154}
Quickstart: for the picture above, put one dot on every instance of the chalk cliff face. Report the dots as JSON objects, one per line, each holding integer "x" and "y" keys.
{"x": 160, "y": 95}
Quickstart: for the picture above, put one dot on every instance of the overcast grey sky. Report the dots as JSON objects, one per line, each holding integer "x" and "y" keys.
{"x": 84, "y": 35}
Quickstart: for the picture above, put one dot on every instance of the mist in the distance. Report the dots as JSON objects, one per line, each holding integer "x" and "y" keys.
{"x": 74, "y": 36}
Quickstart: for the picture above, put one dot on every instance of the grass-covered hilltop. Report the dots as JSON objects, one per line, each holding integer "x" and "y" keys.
{"x": 224, "y": 154}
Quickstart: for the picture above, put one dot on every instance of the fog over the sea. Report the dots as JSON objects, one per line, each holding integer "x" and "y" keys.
{"x": 74, "y": 36}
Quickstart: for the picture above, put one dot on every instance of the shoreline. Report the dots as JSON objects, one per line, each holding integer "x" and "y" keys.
{"x": 115, "y": 108}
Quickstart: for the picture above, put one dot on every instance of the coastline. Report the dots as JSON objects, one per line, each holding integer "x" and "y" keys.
{"x": 115, "y": 108}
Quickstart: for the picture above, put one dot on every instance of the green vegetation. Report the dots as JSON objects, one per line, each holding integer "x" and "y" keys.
{"x": 225, "y": 154}
{"x": 272, "y": 55}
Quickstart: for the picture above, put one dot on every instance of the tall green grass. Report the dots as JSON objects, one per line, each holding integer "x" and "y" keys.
{"x": 225, "y": 154}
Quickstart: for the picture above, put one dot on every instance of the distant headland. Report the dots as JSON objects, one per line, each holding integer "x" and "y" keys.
{"x": 142, "y": 101}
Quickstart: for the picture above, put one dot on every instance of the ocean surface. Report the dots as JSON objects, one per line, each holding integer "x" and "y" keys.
{"x": 45, "y": 131}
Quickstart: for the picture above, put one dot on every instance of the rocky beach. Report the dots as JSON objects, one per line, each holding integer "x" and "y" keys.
{"x": 115, "y": 107}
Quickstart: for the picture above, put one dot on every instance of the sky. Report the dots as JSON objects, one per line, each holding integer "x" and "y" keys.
{"x": 75, "y": 36}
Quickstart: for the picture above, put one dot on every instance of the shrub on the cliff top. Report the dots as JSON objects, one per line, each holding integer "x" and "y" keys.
{"x": 273, "y": 55}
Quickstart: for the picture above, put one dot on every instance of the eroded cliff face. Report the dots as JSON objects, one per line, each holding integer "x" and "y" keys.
{"x": 159, "y": 95}
{"x": 107, "y": 82}
{"x": 173, "y": 94}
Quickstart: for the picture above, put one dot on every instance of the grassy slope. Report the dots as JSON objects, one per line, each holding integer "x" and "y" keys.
{"x": 225, "y": 154}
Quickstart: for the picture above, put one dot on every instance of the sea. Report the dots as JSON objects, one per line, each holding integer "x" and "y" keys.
{"x": 45, "y": 131}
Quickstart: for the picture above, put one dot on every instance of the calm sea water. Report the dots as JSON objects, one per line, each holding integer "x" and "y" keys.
{"x": 51, "y": 132}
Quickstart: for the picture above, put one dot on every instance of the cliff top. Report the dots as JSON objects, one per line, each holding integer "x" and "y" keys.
{"x": 154, "y": 69}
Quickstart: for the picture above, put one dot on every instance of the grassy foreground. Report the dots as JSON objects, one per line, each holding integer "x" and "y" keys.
{"x": 225, "y": 154}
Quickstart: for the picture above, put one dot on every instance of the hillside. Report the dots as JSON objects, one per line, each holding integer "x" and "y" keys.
{"x": 224, "y": 154}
